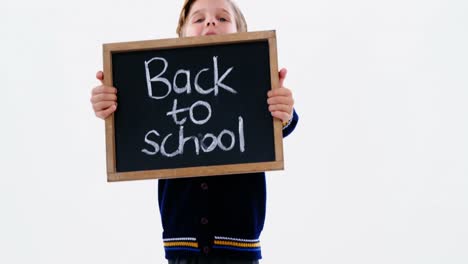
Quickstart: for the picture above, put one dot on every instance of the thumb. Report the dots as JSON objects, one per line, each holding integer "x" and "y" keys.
{"x": 100, "y": 76}
{"x": 282, "y": 75}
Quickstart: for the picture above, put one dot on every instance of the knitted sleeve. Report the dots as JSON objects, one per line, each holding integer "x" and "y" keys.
{"x": 291, "y": 125}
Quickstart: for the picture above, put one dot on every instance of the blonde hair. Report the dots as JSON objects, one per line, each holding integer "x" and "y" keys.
{"x": 241, "y": 24}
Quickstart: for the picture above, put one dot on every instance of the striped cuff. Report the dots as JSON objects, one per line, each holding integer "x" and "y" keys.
{"x": 286, "y": 124}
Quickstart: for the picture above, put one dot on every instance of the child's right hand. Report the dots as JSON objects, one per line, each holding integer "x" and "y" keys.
{"x": 103, "y": 98}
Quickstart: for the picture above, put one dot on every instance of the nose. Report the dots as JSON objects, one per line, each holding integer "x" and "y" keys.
{"x": 210, "y": 22}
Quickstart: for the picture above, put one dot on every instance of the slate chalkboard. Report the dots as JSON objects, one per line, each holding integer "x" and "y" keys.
{"x": 192, "y": 107}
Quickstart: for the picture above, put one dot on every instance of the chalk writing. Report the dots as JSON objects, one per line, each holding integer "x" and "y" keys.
{"x": 176, "y": 111}
{"x": 216, "y": 141}
{"x": 225, "y": 140}
{"x": 218, "y": 82}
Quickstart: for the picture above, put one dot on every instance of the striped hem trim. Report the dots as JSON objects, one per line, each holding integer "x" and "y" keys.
{"x": 237, "y": 239}
{"x": 180, "y": 239}
{"x": 238, "y": 249}
{"x": 181, "y": 243}
{"x": 239, "y": 244}
{"x": 182, "y": 249}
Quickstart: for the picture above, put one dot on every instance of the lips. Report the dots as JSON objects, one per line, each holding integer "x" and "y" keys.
{"x": 210, "y": 33}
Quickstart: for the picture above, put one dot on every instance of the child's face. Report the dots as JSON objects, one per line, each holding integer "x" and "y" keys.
{"x": 210, "y": 17}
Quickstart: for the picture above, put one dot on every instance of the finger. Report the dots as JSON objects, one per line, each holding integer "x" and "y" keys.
{"x": 107, "y": 112}
{"x": 97, "y": 107}
{"x": 103, "y": 97}
{"x": 103, "y": 89}
{"x": 280, "y": 92}
{"x": 282, "y": 75}
{"x": 284, "y": 117}
{"x": 100, "y": 76}
{"x": 280, "y": 107}
{"x": 287, "y": 100}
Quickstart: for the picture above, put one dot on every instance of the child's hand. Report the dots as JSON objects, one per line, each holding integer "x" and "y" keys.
{"x": 103, "y": 98}
{"x": 280, "y": 100}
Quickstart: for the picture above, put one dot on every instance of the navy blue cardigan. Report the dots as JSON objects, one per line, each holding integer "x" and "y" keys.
{"x": 221, "y": 215}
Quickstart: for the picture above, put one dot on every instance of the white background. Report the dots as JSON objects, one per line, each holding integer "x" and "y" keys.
{"x": 376, "y": 171}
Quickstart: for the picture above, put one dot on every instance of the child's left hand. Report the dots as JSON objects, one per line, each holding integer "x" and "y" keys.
{"x": 280, "y": 100}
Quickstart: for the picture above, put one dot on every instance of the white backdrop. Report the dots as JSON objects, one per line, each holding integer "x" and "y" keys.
{"x": 376, "y": 171}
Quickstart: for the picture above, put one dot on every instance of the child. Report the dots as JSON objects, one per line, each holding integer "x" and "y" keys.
{"x": 211, "y": 219}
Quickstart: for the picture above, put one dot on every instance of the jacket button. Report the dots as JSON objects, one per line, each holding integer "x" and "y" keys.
{"x": 204, "y": 186}
{"x": 204, "y": 221}
{"x": 206, "y": 250}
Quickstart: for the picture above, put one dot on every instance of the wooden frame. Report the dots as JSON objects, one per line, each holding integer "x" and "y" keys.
{"x": 109, "y": 49}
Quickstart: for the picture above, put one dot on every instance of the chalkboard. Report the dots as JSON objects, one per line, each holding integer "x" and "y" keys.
{"x": 192, "y": 107}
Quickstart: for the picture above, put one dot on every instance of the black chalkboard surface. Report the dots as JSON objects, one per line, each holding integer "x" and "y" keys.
{"x": 192, "y": 107}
